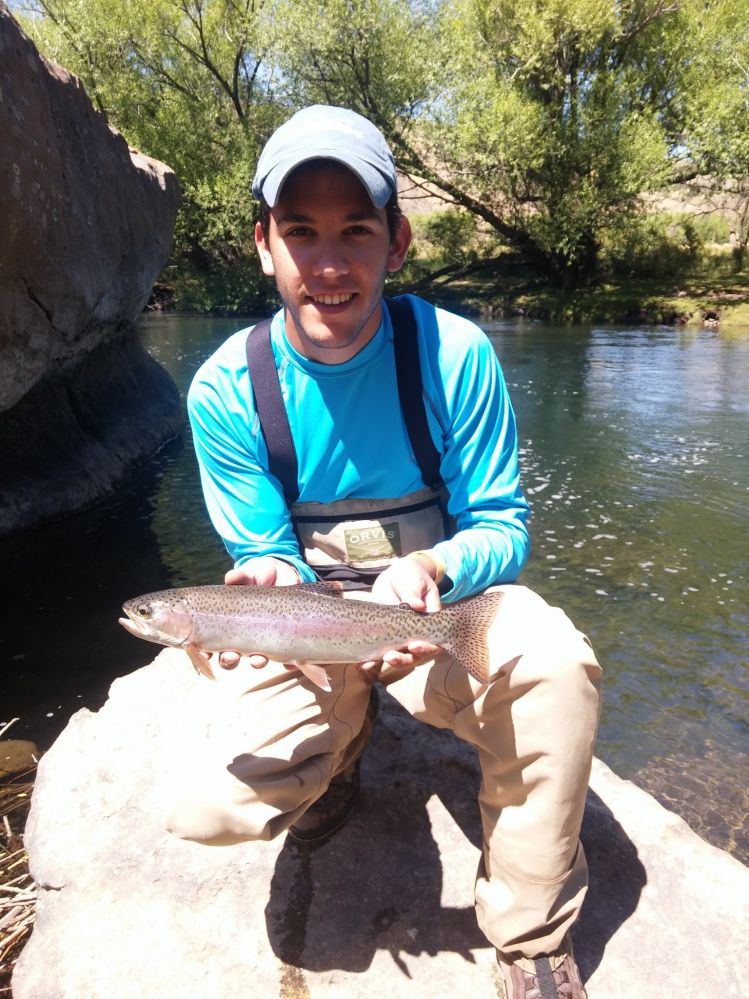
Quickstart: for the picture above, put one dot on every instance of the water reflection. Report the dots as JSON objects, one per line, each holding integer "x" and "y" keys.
{"x": 634, "y": 451}
{"x": 61, "y": 588}
{"x": 635, "y": 460}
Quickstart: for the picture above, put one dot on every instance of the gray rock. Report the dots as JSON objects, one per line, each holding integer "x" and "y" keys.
{"x": 386, "y": 905}
{"x": 86, "y": 225}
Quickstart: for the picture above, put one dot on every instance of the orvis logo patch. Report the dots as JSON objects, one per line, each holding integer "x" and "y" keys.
{"x": 372, "y": 544}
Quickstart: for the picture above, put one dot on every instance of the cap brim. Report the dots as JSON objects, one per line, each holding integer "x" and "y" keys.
{"x": 377, "y": 187}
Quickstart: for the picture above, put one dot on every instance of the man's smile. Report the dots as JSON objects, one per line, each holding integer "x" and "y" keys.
{"x": 334, "y": 299}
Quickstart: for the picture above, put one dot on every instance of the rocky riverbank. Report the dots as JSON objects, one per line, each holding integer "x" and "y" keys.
{"x": 386, "y": 904}
{"x": 694, "y": 301}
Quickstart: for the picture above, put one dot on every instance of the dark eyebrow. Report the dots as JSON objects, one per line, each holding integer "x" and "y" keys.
{"x": 368, "y": 216}
{"x": 292, "y": 217}
{"x": 299, "y": 219}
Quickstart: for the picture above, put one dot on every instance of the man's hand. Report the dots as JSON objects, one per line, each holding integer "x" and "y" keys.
{"x": 411, "y": 580}
{"x": 262, "y": 571}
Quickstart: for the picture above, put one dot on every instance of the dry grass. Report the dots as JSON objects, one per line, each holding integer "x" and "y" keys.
{"x": 17, "y": 890}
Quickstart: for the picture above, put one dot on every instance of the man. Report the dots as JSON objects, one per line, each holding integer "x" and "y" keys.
{"x": 375, "y": 442}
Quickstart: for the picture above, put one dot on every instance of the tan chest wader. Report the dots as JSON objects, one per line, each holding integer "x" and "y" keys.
{"x": 353, "y": 540}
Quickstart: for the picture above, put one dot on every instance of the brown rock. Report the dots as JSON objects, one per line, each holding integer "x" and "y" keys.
{"x": 85, "y": 228}
{"x": 17, "y": 756}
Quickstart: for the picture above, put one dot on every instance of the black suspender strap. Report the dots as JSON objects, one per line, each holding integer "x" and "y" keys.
{"x": 411, "y": 391}
{"x": 274, "y": 421}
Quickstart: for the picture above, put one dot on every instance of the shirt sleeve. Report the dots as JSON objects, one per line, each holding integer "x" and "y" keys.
{"x": 245, "y": 502}
{"x": 473, "y": 423}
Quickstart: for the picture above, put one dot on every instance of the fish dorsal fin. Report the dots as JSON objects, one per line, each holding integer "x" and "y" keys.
{"x": 327, "y": 588}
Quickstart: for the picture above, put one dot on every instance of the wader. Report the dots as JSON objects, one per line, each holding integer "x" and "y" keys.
{"x": 353, "y": 540}
{"x": 276, "y": 741}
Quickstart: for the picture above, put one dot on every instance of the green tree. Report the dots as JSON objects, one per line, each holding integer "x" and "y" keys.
{"x": 716, "y": 127}
{"x": 186, "y": 81}
{"x": 547, "y": 119}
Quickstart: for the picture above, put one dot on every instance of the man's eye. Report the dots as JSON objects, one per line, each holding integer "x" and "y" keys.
{"x": 298, "y": 230}
{"x": 358, "y": 230}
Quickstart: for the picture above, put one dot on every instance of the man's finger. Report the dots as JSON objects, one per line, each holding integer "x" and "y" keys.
{"x": 398, "y": 658}
{"x": 419, "y": 648}
{"x": 432, "y": 601}
{"x": 415, "y": 601}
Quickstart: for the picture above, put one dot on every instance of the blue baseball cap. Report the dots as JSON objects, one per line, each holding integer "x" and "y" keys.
{"x": 329, "y": 133}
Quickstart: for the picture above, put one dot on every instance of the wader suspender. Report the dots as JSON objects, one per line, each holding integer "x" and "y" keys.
{"x": 274, "y": 422}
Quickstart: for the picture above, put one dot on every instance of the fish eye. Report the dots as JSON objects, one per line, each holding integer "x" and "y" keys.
{"x": 143, "y": 610}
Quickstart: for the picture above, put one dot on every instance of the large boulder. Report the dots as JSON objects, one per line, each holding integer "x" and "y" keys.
{"x": 385, "y": 907}
{"x": 86, "y": 225}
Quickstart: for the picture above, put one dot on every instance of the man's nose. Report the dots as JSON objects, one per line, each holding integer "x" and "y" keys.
{"x": 331, "y": 260}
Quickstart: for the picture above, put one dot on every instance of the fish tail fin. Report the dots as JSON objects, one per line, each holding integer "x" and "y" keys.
{"x": 317, "y": 674}
{"x": 471, "y": 620}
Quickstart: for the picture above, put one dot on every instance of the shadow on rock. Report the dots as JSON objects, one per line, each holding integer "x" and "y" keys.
{"x": 377, "y": 885}
{"x": 617, "y": 877}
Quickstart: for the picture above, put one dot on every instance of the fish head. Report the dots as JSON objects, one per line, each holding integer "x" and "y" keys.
{"x": 157, "y": 618}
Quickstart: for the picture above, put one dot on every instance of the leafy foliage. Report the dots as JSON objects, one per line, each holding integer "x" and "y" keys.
{"x": 185, "y": 81}
{"x": 542, "y": 122}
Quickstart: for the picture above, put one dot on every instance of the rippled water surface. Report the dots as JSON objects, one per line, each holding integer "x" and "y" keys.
{"x": 635, "y": 450}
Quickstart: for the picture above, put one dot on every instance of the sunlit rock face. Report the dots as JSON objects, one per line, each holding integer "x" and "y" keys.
{"x": 383, "y": 908}
{"x": 85, "y": 228}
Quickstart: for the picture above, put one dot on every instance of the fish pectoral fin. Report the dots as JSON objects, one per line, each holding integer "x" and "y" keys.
{"x": 201, "y": 664}
{"x": 317, "y": 674}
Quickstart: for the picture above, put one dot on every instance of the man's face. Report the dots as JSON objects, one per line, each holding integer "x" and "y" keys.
{"x": 329, "y": 250}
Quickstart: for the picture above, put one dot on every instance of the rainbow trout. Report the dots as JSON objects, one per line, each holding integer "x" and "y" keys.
{"x": 306, "y": 626}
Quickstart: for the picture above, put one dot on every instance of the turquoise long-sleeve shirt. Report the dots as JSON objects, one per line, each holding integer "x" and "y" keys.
{"x": 352, "y": 443}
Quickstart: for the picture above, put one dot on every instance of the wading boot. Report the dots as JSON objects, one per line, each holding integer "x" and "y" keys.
{"x": 554, "y": 976}
{"x": 331, "y": 810}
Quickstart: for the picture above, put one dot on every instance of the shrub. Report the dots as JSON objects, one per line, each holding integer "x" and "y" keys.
{"x": 650, "y": 245}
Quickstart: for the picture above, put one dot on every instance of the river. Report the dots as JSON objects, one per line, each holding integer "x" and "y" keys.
{"x": 635, "y": 453}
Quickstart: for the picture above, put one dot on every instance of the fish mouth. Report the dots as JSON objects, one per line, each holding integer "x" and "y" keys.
{"x": 151, "y": 631}
{"x": 138, "y": 628}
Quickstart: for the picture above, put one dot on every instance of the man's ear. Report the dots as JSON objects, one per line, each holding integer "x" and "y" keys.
{"x": 400, "y": 244}
{"x": 266, "y": 260}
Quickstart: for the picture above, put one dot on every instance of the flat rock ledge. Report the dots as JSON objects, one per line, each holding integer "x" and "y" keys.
{"x": 385, "y": 907}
